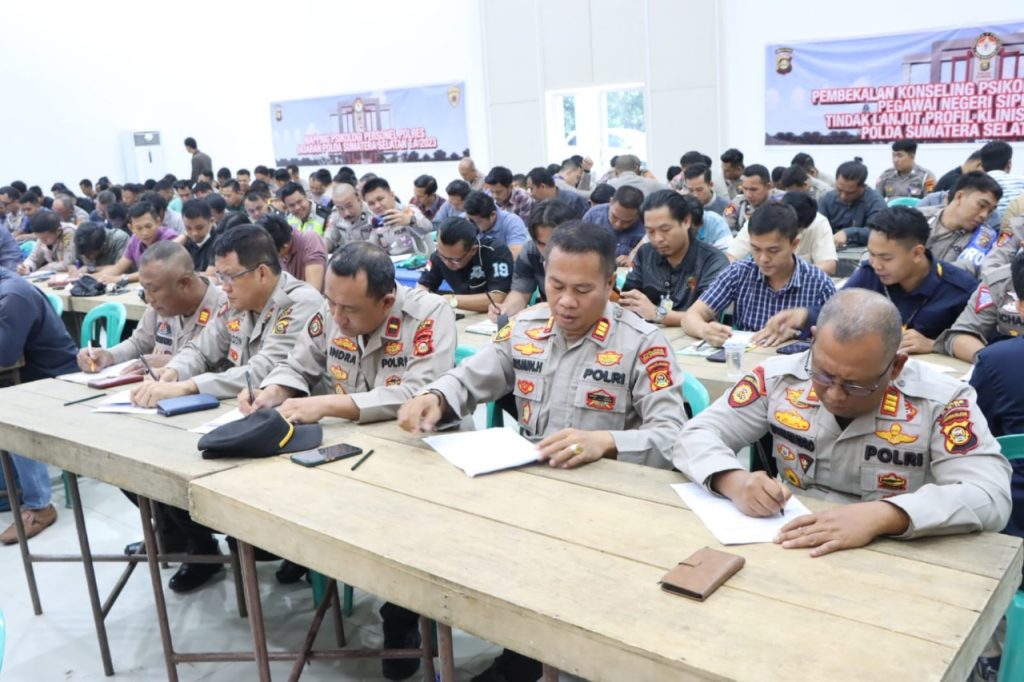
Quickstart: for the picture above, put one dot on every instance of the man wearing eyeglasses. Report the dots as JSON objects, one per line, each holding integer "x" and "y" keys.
{"x": 478, "y": 270}
{"x": 854, "y": 421}
{"x": 265, "y": 311}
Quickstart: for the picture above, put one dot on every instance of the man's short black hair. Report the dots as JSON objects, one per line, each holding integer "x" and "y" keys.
{"x": 690, "y": 158}
{"x": 805, "y": 206}
{"x": 628, "y": 197}
{"x": 11, "y": 192}
{"x": 579, "y": 237}
{"x": 191, "y": 143}
{"x": 324, "y": 176}
{"x": 283, "y": 176}
{"x": 261, "y": 170}
{"x": 479, "y": 204}
{"x": 775, "y": 217}
{"x": 671, "y": 172}
{"x": 553, "y": 168}
{"x": 44, "y": 221}
{"x": 370, "y": 259}
{"x": 292, "y": 168}
{"x": 908, "y": 146}
{"x": 149, "y": 185}
{"x": 28, "y": 197}
{"x": 677, "y": 206}
{"x": 696, "y": 210}
{"x": 224, "y": 174}
{"x": 19, "y": 185}
{"x": 1017, "y": 273}
{"x": 159, "y": 203}
{"x": 376, "y": 183}
{"x": 732, "y": 156}
{"x": 251, "y": 244}
{"x": 794, "y": 176}
{"x": 90, "y": 238}
{"x": 182, "y": 184}
{"x": 804, "y": 160}
{"x": 996, "y": 156}
{"x": 290, "y": 189}
{"x": 975, "y": 155}
{"x": 602, "y": 194}
{"x": 499, "y": 175}
{"x": 141, "y": 208}
{"x": 697, "y": 170}
{"x": 540, "y": 176}
{"x": 427, "y": 183}
{"x": 85, "y": 182}
{"x": 549, "y": 213}
{"x": 196, "y": 208}
{"x": 901, "y": 223}
{"x": 756, "y": 170}
{"x": 163, "y": 185}
{"x": 456, "y": 230}
{"x": 117, "y": 211}
{"x": 278, "y": 229}
{"x": 202, "y": 186}
{"x": 978, "y": 181}
{"x": 854, "y": 171}
{"x": 243, "y": 171}
{"x": 777, "y": 172}
{"x": 571, "y": 164}
{"x": 215, "y": 202}
{"x": 346, "y": 176}
{"x": 256, "y": 194}
{"x": 458, "y": 188}
{"x": 233, "y": 184}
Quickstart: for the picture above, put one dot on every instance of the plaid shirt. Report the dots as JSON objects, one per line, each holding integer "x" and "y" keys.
{"x": 519, "y": 202}
{"x": 743, "y": 284}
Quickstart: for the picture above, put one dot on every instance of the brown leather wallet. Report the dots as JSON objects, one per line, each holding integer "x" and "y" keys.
{"x": 119, "y": 380}
{"x": 701, "y": 573}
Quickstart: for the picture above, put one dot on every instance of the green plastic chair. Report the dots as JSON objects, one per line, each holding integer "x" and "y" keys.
{"x": 495, "y": 418}
{"x": 58, "y": 305}
{"x": 904, "y": 201}
{"x": 695, "y": 393}
{"x": 1011, "y": 665}
{"x": 113, "y": 314}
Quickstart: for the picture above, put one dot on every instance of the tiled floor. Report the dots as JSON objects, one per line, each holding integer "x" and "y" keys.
{"x": 61, "y": 643}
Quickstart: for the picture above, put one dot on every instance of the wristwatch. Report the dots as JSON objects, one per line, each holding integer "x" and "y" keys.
{"x": 660, "y": 315}
{"x": 453, "y": 300}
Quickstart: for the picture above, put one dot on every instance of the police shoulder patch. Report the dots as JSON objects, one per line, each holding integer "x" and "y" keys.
{"x": 984, "y": 299}
{"x": 316, "y": 326}
{"x": 504, "y": 333}
{"x": 743, "y": 393}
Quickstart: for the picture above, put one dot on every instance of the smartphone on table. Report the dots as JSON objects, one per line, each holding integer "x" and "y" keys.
{"x": 331, "y": 453}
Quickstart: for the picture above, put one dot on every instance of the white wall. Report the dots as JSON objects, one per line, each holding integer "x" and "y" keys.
{"x": 74, "y": 81}
{"x": 746, "y": 27}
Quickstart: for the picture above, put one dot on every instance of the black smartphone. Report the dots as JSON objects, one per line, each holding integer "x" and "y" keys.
{"x": 796, "y": 347}
{"x": 460, "y": 316}
{"x": 331, "y": 453}
{"x": 717, "y": 356}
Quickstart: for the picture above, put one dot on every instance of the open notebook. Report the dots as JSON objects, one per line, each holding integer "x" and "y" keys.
{"x": 105, "y": 373}
{"x": 121, "y": 403}
{"x": 481, "y": 452}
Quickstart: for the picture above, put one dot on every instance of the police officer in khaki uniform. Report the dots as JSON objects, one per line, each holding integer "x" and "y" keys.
{"x": 590, "y": 379}
{"x": 180, "y": 304}
{"x": 757, "y": 191}
{"x": 905, "y": 178}
{"x": 55, "y": 244}
{"x": 959, "y": 233}
{"x": 990, "y": 314}
{"x": 253, "y": 331}
{"x": 350, "y": 220}
{"x": 371, "y": 346}
{"x": 1011, "y": 235}
{"x": 852, "y": 420}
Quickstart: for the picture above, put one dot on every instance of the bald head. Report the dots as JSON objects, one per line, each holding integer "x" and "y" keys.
{"x": 625, "y": 163}
{"x": 467, "y": 169}
{"x": 171, "y": 255}
{"x": 853, "y": 314}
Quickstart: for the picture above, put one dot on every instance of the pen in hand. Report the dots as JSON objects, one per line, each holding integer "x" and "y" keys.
{"x": 767, "y": 469}
{"x": 149, "y": 370}
{"x": 248, "y": 385}
{"x": 92, "y": 358}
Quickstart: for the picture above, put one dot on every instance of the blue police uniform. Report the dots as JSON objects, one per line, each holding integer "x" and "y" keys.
{"x": 933, "y": 306}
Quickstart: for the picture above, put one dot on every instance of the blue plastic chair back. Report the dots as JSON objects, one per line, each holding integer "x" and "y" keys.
{"x": 463, "y": 352}
{"x": 1012, "y": 445}
{"x": 26, "y": 247}
{"x": 114, "y": 314}
{"x": 695, "y": 393}
{"x": 58, "y": 305}
{"x": 904, "y": 201}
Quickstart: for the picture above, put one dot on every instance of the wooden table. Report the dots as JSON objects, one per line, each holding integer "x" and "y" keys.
{"x": 563, "y": 566}
{"x": 134, "y": 305}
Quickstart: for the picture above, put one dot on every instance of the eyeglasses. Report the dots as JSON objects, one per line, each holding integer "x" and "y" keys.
{"x": 826, "y": 381}
{"x": 230, "y": 279}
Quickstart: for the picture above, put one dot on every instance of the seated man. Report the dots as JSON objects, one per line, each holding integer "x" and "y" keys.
{"x": 97, "y": 247}
{"x": 457, "y": 191}
{"x": 959, "y": 235}
{"x": 928, "y": 293}
{"x": 946, "y": 182}
{"x": 590, "y": 379}
{"x": 351, "y": 219}
{"x": 797, "y": 179}
{"x": 30, "y": 330}
{"x": 146, "y": 231}
{"x": 851, "y": 205}
{"x": 541, "y": 185}
{"x": 816, "y": 244}
{"x": 29, "y": 204}
{"x": 199, "y": 234}
{"x": 10, "y": 252}
{"x": 697, "y": 178}
{"x": 997, "y": 369}
{"x": 478, "y": 270}
{"x": 399, "y": 229}
{"x": 853, "y": 420}
{"x": 302, "y": 254}
{"x": 179, "y": 304}
{"x": 1011, "y": 232}
{"x": 674, "y": 268}
{"x": 757, "y": 191}
{"x": 528, "y": 270}
{"x": 425, "y": 196}
{"x": 55, "y": 244}
{"x": 772, "y": 281}
{"x": 622, "y": 216}
{"x": 301, "y": 214}
{"x": 501, "y": 227}
{"x": 905, "y": 178}
{"x": 508, "y": 198}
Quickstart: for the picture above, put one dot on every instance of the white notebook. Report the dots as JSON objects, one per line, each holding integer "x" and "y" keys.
{"x": 121, "y": 403}
{"x": 727, "y": 523}
{"x": 105, "y": 373}
{"x": 484, "y": 327}
{"x": 481, "y": 452}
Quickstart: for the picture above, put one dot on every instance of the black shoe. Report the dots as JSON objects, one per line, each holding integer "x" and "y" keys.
{"x": 193, "y": 576}
{"x": 288, "y": 572}
{"x": 398, "y": 634}
{"x": 260, "y": 554}
{"x": 511, "y": 667}
{"x": 140, "y": 548}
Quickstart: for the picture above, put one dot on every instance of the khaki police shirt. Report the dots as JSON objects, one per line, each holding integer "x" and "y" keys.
{"x": 168, "y": 335}
{"x": 951, "y": 246}
{"x": 237, "y": 341}
{"x": 340, "y": 231}
{"x": 990, "y": 312}
{"x": 58, "y": 257}
{"x": 1011, "y": 233}
{"x": 916, "y": 183}
{"x": 739, "y": 210}
{"x": 927, "y": 449}
{"x": 622, "y": 377}
{"x": 382, "y": 370}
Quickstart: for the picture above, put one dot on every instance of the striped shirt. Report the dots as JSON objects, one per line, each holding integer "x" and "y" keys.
{"x": 743, "y": 284}
{"x": 1012, "y": 186}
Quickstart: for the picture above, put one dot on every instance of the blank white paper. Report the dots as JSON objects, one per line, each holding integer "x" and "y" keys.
{"x": 121, "y": 403}
{"x": 481, "y": 452}
{"x": 105, "y": 373}
{"x": 727, "y": 523}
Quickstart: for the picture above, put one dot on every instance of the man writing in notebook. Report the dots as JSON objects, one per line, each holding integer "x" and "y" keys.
{"x": 853, "y": 420}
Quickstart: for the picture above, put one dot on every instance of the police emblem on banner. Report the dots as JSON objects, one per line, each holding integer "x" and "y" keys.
{"x": 986, "y": 47}
{"x": 454, "y": 95}
{"x": 783, "y": 60}
{"x": 278, "y": 113}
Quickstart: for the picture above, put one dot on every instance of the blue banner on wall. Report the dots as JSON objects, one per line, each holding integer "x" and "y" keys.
{"x": 959, "y": 85}
{"x": 387, "y": 126}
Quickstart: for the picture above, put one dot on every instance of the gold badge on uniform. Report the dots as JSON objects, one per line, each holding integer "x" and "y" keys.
{"x": 653, "y": 352}
{"x": 601, "y": 400}
{"x": 792, "y": 478}
{"x": 393, "y": 380}
{"x": 204, "y": 317}
{"x": 743, "y": 393}
{"x": 600, "y": 332}
{"x": 392, "y": 328}
{"x": 525, "y": 386}
{"x": 527, "y": 411}
{"x": 659, "y": 374}
{"x": 805, "y": 462}
{"x": 393, "y": 348}
{"x": 784, "y": 452}
{"x": 345, "y": 343}
{"x": 608, "y": 358}
{"x": 895, "y": 435}
{"x": 338, "y": 373}
{"x": 892, "y": 481}
{"x": 792, "y": 419}
{"x": 890, "y": 402}
{"x": 527, "y": 348}
{"x": 234, "y": 325}
{"x": 793, "y": 396}
{"x": 281, "y": 327}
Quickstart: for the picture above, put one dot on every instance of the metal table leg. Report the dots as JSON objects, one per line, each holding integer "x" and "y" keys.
{"x": 19, "y": 526}
{"x": 252, "y": 596}
{"x": 152, "y": 560}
